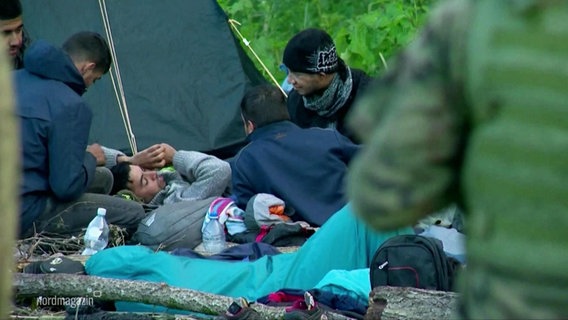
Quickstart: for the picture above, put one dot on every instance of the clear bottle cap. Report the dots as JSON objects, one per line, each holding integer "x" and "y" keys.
{"x": 101, "y": 211}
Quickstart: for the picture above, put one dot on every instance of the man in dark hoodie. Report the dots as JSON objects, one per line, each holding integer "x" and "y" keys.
{"x": 325, "y": 87}
{"x": 55, "y": 125}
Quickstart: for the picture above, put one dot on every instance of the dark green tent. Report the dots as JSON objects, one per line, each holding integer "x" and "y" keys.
{"x": 182, "y": 70}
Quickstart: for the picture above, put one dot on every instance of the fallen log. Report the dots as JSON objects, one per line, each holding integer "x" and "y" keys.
{"x": 51, "y": 287}
{"x": 108, "y": 315}
{"x": 390, "y": 303}
{"x": 91, "y": 288}
{"x": 385, "y": 303}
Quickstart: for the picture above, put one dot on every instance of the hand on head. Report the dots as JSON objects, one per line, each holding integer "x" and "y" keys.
{"x": 169, "y": 152}
{"x": 152, "y": 157}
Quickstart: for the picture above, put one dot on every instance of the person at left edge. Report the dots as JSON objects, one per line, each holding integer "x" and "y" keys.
{"x": 12, "y": 31}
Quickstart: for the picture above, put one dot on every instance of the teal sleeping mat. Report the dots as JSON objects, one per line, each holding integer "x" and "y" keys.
{"x": 344, "y": 242}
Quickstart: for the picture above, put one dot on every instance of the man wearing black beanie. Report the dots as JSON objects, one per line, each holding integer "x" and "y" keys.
{"x": 12, "y": 29}
{"x": 324, "y": 86}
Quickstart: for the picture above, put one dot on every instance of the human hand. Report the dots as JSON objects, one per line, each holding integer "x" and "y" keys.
{"x": 169, "y": 152}
{"x": 152, "y": 157}
{"x": 96, "y": 150}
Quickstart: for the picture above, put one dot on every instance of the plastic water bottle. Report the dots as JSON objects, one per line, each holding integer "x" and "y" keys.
{"x": 214, "y": 237}
{"x": 96, "y": 236}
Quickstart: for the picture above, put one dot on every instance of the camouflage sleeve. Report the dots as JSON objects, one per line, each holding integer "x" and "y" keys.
{"x": 411, "y": 122}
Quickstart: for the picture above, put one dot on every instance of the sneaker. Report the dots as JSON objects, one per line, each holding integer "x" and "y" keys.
{"x": 55, "y": 265}
{"x": 306, "y": 310}
{"x": 241, "y": 311}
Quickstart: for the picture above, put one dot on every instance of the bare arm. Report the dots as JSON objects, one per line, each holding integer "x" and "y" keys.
{"x": 152, "y": 157}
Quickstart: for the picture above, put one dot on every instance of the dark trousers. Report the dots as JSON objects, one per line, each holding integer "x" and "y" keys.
{"x": 72, "y": 217}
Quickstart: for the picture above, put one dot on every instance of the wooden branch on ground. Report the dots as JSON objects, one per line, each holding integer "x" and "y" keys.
{"x": 385, "y": 302}
{"x": 109, "y": 315}
{"x": 388, "y": 303}
{"x": 153, "y": 293}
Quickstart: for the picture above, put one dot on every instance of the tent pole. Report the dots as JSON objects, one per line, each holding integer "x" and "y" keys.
{"x": 233, "y": 22}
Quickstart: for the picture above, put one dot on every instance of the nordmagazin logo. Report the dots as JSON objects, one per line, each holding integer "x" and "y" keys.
{"x": 72, "y": 302}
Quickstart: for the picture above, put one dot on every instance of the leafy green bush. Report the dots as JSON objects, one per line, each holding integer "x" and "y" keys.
{"x": 365, "y": 32}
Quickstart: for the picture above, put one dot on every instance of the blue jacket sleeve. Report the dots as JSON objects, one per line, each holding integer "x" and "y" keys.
{"x": 347, "y": 147}
{"x": 71, "y": 167}
{"x": 241, "y": 182}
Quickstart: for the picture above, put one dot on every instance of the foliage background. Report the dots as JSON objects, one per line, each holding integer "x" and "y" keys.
{"x": 363, "y": 30}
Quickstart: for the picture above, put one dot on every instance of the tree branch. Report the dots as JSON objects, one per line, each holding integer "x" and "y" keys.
{"x": 390, "y": 303}
{"x": 385, "y": 302}
{"x": 153, "y": 293}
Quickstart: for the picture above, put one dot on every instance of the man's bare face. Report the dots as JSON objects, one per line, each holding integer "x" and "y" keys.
{"x": 145, "y": 184}
{"x": 12, "y": 32}
{"x": 307, "y": 84}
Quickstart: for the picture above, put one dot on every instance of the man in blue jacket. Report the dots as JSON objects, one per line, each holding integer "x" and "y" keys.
{"x": 55, "y": 125}
{"x": 304, "y": 167}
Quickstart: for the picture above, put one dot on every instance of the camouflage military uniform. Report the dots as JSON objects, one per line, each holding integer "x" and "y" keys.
{"x": 476, "y": 111}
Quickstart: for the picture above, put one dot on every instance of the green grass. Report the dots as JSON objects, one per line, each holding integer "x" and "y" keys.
{"x": 363, "y": 30}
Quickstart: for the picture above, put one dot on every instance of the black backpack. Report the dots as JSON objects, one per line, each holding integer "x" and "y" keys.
{"x": 413, "y": 261}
